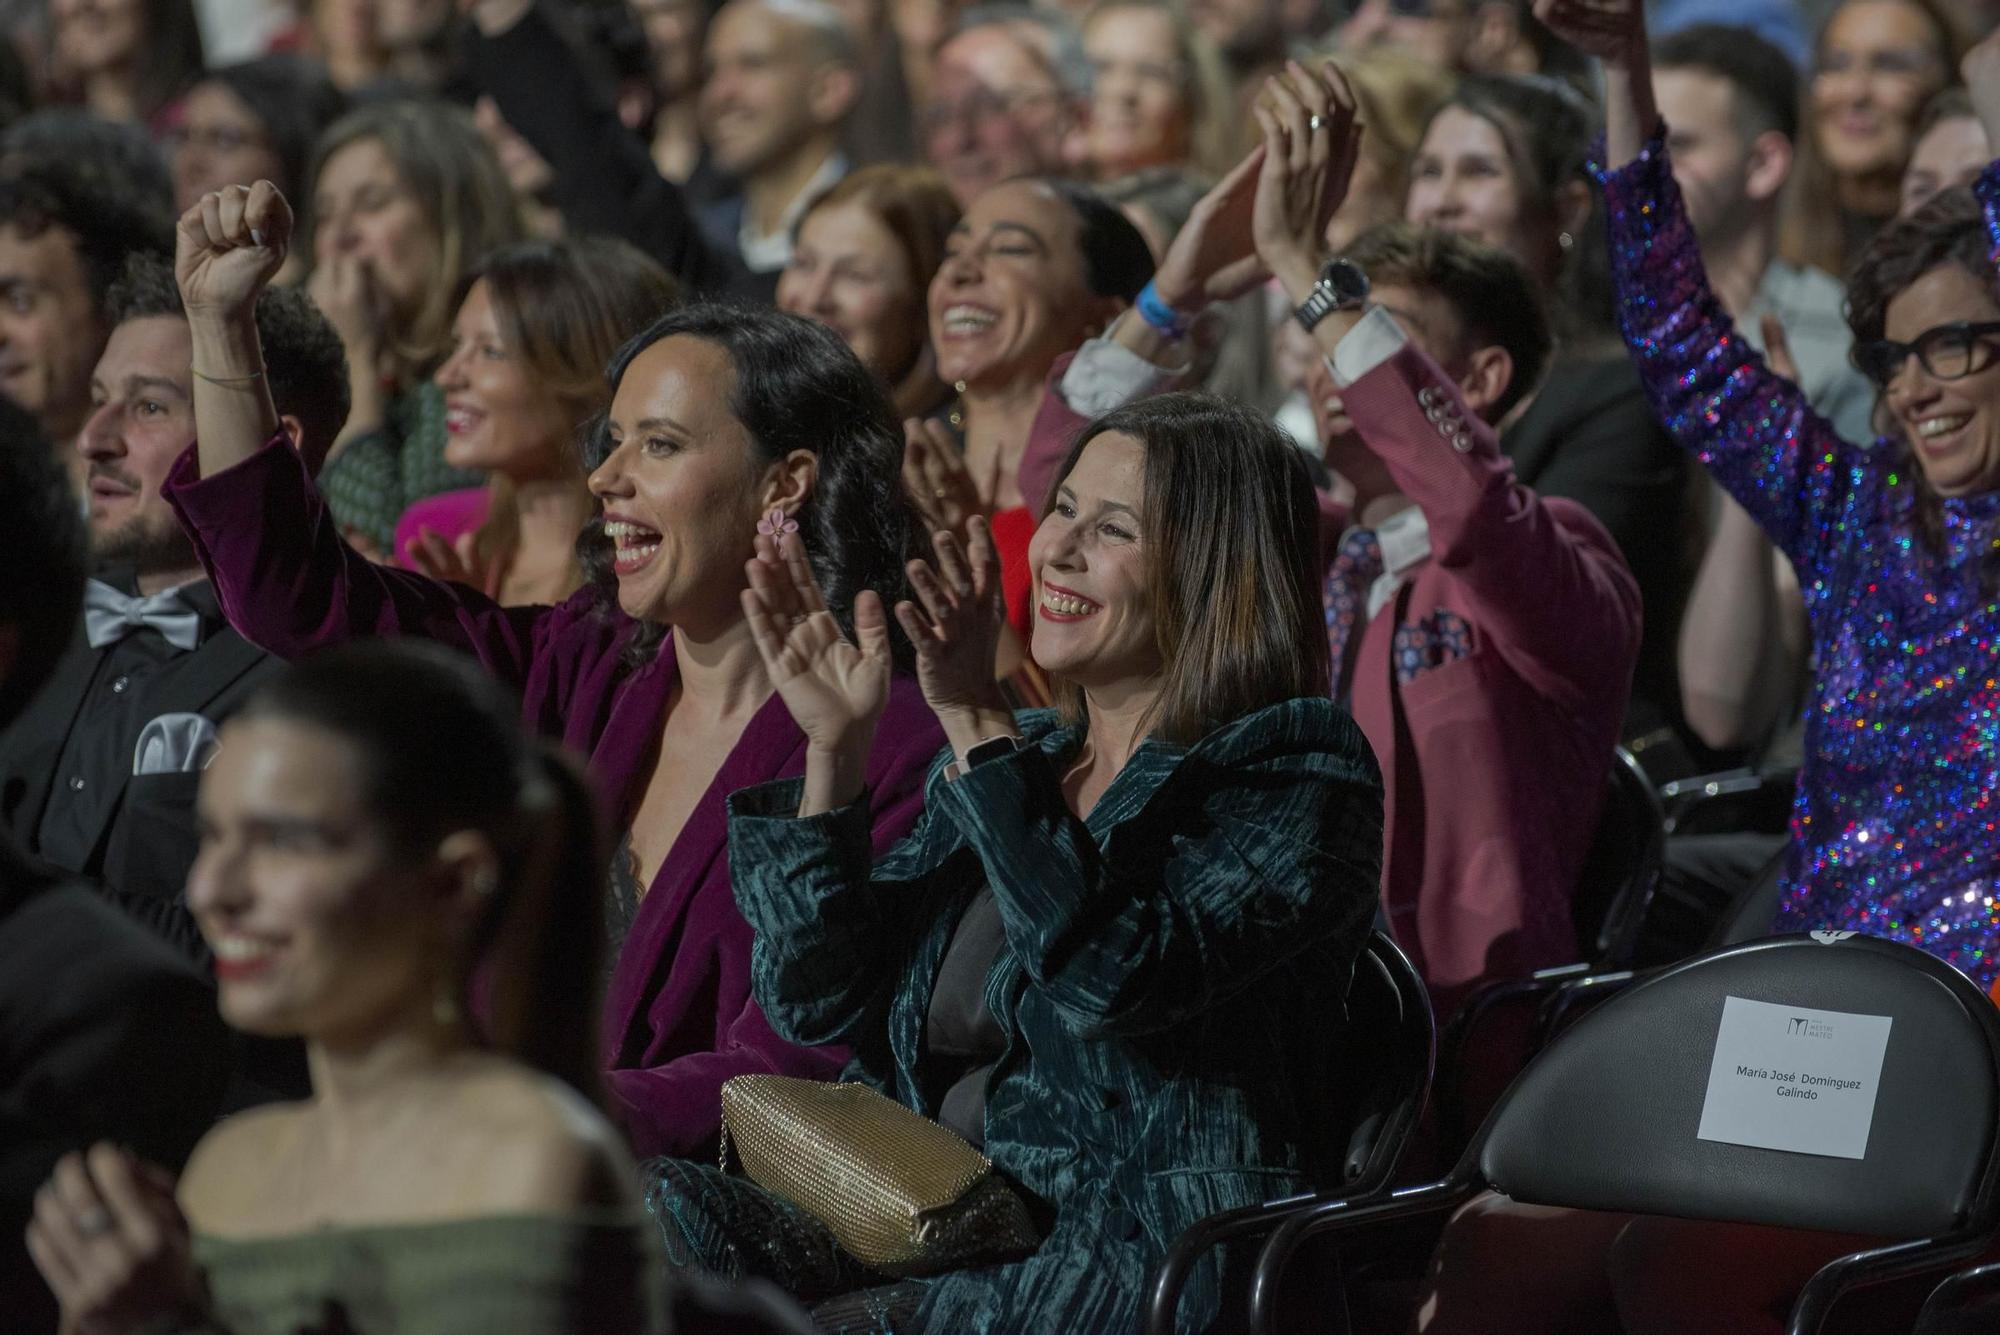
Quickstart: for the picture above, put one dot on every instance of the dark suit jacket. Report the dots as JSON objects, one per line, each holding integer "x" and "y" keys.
{"x": 105, "y": 1034}
{"x": 1590, "y": 436}
{"x": 147, "y": 843}
{"x": 605, "y": 180}
{"x": 1172, "y": 967}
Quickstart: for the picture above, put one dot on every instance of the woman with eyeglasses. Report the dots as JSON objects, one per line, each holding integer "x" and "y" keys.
{"x": 1897, "y": 543}
{"x": 1897, "y": 546}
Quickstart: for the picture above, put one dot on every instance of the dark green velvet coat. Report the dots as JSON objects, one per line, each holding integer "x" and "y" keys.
{"x": 1173, "y": 970}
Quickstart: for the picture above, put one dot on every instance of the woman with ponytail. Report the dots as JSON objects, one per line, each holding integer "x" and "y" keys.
{"x": 377, "y": 831}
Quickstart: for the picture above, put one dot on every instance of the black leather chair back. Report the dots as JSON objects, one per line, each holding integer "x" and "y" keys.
{"x": 1622, "y": 867}
{"x": 1389, "y": 1043}
{"x": 1606, "y": 1117}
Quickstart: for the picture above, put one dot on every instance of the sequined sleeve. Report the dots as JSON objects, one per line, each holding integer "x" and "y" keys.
{"x": 1753, "y": 429}
{"x": 1987, "y": 187}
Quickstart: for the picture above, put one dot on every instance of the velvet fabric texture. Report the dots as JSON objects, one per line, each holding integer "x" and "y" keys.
{"x": 679, "y": 1019}
{"x": 1494, "y": 762}
{"x": 1173, "y": 967}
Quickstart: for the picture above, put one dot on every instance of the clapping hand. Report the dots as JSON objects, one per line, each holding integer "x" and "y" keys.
{"x": 113, "y": 1245}
{"x": 1216, "y": 256}
{"x": 1312, "y": 138}
{"x": 835, "y": 688}
{"x": 229, "y": 245}
{"x": 957, "y": 632}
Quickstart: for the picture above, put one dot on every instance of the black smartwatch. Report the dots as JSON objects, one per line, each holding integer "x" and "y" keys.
{"x": 990, "y": 749}
{"x": 1341, "y": 287}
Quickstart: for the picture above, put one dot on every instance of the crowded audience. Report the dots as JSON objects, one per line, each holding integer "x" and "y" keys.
{"x": 655, "y": 624}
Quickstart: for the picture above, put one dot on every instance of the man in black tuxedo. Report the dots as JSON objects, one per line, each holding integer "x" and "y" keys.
{"x": 98, "y": 777}
{"x": 106, "y": 1033}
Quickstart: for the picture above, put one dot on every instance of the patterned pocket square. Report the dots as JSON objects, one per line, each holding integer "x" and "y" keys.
{"x": 175, "y": 744}
{"x": 1430, "y": 642}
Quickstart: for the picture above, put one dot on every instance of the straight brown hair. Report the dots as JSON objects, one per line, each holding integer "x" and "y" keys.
{"x": 1233, "y": 524}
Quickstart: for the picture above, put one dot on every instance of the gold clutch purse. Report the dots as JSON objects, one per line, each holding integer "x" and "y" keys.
{"x": 902, "y": 1194}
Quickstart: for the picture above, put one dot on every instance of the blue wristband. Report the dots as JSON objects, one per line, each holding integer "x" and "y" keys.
{"x": 1162, "y": 317}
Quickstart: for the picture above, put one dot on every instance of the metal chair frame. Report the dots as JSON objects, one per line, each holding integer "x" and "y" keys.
{"x": 1372, "y": 1158}
{"x": 1815, "y": 1300}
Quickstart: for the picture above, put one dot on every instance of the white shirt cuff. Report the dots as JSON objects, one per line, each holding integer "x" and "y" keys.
{"x": 1105, "y": 375}
{"x": 1375, "y": 338}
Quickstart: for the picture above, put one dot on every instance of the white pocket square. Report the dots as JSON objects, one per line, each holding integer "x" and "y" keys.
{"x": 175, "y": 744}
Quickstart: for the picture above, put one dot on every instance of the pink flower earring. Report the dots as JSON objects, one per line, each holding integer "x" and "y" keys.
{"x": 777, "y": 522}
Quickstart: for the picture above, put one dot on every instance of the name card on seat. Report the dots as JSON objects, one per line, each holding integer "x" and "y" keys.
{"x": 1794, "y": 1078}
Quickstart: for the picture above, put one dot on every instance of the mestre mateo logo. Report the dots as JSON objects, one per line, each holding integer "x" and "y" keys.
{"x": 1802, "y": 1026}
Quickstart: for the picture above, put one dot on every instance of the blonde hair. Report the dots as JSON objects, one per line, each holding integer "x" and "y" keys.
{"x": 1397, "y": 94}
{"x": 1215, "y": 140}
{"x": 445, "y": 164}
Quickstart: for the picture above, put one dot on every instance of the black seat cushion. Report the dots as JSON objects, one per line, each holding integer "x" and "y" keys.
{"x": 1606, "y": 1117}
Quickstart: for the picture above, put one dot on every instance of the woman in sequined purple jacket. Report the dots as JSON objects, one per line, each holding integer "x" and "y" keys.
{"x": 1897, "y": 542}
{"x": 1896, "y": 822}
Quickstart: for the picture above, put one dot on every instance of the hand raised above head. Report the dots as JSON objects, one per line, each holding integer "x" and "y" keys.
{"x": 1312, "y": 138}
{"x": 1614, "y": 31}
{"x": 835, "y": 688}
{"x": 229, "y": 246}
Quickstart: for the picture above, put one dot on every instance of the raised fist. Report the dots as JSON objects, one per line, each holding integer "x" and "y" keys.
{"x": 229, "y": 245}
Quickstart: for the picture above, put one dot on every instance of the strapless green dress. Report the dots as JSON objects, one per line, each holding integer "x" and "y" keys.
{"x": 511, "y": 1275}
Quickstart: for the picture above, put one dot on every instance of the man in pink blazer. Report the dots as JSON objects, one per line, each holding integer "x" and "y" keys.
{"x": 1483, "y": 636}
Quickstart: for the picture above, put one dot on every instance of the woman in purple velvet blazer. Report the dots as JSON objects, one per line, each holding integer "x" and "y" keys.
{"x": 724, "y": 422}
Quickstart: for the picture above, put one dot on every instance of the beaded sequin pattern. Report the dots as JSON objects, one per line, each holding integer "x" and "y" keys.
{"x": 1894, "y": 826}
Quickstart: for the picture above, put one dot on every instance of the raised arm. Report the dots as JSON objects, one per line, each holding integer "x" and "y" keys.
{"x": 1754, "y": 430}
{"x": 285, "y": 578}
{"x": 605, "y": 180}
{"x": 1742, "y": 637}
{"x": 1214, "y": 258}
{"x": 226, "y": 249}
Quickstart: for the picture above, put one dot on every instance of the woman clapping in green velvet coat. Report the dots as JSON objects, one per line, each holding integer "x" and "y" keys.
{"x": 1114, "y": 947}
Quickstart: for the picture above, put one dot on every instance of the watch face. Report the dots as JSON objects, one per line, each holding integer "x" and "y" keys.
{"x": 1349, "y": 284}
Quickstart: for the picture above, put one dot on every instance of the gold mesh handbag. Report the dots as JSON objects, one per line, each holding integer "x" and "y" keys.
{"x": 902, "y": 1194}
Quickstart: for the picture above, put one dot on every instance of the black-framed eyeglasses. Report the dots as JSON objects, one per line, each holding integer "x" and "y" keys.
{"x": 1948, "y": 352}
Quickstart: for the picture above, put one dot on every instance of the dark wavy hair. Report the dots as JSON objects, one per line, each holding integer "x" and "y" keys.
{"x": 1949, "y": 229}
{"x": 441, "y": 750}
{"x": 798, "y": 387}
{"x": 1232, "y": 521}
